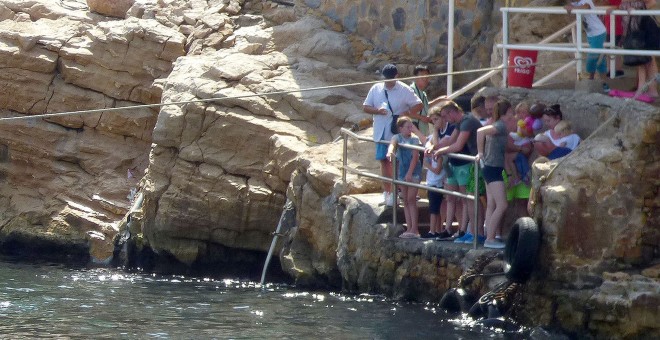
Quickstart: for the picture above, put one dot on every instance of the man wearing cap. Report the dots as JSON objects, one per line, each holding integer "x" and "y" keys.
{"x": 384, "y": 100}
{"x": 546, "y": 148}
{"x": 464, "y": 141}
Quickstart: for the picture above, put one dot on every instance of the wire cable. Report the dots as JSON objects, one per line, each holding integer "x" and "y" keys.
{"x": 261, "y": 94}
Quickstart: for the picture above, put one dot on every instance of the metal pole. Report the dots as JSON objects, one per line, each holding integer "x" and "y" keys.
{"x": 450, "y": 48}
{"x": 344, "y": 161}
{"x": 505, "y": 51}
{"x": 476, "y": 205}
{"x": 612, "y": 32}
{"x": 578, "y": 44}
{"x": 395, "y": 194}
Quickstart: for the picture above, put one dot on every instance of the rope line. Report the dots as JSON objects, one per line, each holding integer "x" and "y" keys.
{"x": 260, "y": 94}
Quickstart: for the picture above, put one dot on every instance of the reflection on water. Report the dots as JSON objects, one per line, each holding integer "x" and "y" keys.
{"x": 38, "y": 301}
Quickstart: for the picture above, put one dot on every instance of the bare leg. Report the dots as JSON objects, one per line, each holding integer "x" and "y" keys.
{"x": 651, "y": 69}
{"x": 451, "y": 207}
{"x": 496, "y": 194}
{"x": 410, "y": 203}
{"x": 433, "y": 222}
{"x": 406, "y": 208}
{"x": 467, "y": 210}
{"x": 443, "y": 213}
{"x": 480, "y": 217}
{"x": 386, "y": 171}
{"x": 490, "y": 207}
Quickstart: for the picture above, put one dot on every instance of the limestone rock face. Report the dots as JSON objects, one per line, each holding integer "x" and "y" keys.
{"x": 598, "y": 211}
{"x": 226, "y": 162}
{"x": 130, "y": 53}
{"x": 67, "y": 179}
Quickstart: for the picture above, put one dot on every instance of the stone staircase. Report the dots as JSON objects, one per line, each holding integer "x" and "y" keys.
{"x": 627, "y": 82}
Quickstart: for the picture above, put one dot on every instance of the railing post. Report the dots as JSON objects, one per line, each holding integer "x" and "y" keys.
{"x": 395, "y": 192}
{"x": 450, "y": 48}
{"x": 476, "y": 205}
{"x": 578, "y": 44}
{"x": 344, "y": 160}
{"x": 612, "y": 57}
{"x": 505, "y": 51}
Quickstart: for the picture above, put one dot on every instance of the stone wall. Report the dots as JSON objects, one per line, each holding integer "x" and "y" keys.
{"x": 412, "y": 32}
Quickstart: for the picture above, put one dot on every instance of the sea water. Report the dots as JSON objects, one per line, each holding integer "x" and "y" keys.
{"x": 55, "y": 301}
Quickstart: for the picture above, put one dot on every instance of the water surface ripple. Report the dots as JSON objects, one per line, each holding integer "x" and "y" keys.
{"x": 53, "y": 301}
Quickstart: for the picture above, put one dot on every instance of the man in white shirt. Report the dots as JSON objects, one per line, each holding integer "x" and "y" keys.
{"x": 385, "y": 100}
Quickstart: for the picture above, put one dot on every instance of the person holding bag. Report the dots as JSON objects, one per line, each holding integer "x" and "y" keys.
{"x": 641, "y": 32}
{"x": 387, "y": 101}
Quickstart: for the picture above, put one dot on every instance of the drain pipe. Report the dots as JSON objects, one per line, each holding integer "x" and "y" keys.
{"x": 276, "y": 234}
{"x": 137, "y": 204}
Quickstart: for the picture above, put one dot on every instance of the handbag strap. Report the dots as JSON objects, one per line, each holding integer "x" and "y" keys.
{"x": 388, "y": 102}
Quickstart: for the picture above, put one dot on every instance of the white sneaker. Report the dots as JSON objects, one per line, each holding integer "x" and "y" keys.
{"x": 389, "y": 201}
{"x": 384, "y": 201}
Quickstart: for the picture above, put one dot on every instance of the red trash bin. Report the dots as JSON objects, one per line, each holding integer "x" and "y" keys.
{"x": 521, "y": 68}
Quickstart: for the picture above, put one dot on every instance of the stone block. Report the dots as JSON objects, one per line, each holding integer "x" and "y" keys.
{"x": 112, "y": 8}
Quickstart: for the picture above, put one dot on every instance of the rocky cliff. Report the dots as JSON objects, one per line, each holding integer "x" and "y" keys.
{"x": 60, "y": 57}
{"x": 65, "y": 182}
{"x": 231, "y": 137}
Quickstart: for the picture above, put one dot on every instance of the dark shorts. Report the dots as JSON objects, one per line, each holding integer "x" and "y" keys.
{"x": 435, "y": 199}
{"x": 617, "y": 40}
{"x": 493, "y": 174}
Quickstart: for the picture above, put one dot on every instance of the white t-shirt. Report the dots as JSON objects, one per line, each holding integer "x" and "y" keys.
{"x": 572, "y": 140}
{"x": 594, "y": 25}
{"x": 433, "y": 179}
{"x": 401, "y": 97}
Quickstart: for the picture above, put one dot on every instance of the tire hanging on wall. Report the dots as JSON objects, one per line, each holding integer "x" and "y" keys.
{"x": 522, "y": 248}
{"x": 456, "y": 300}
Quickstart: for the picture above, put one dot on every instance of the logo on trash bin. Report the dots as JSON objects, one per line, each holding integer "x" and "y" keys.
{"x": 523, "y": 64}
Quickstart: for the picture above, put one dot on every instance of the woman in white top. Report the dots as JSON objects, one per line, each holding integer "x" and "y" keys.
{"x": 552, "y": 116}
{"x": 596, "y": 33}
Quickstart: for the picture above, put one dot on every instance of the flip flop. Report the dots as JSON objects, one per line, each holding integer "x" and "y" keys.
{"x": 409, "y": 235}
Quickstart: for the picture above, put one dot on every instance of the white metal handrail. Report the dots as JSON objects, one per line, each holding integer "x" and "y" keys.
{"x": 578, "y": 48}
{"x": 492, "y": 73}
{"x": 346, "y": 133}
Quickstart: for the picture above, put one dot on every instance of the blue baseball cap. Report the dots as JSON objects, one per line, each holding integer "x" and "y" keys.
{"x": 389, "y": 71}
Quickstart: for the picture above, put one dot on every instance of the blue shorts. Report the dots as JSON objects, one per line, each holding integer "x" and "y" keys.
{"x": 492, "y": 174}
{"x": 435, "y": 199}
{"x": 381, "y": 151}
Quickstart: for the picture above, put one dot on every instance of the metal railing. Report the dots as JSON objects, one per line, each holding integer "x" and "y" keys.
{"x": 345, "y": 133}
{"x": 576, "y": 45}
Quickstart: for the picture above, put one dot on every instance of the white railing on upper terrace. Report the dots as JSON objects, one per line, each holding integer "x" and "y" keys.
{"x": 576, "y": 46}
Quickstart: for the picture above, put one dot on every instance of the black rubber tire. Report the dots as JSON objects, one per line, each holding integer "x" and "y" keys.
{"x": 455, "y": 300}
{"x": 522, "y": 249}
